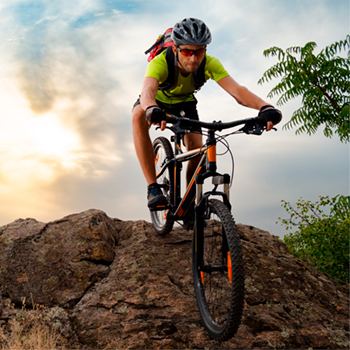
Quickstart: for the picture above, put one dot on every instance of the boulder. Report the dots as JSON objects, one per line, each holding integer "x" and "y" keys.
{"x": 107, "y": 283}
{"x": 56, "y": 263}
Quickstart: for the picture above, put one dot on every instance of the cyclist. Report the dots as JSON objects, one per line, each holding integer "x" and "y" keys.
{"x": 191, "y": 37}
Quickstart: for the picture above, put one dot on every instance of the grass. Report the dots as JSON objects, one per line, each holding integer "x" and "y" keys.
{"x": 29, "y": 329}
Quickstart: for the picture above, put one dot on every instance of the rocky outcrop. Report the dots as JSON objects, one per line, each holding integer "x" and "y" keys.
{"x": 106, "y": 283}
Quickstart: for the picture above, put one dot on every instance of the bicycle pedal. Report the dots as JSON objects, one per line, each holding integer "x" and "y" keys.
{"x": 159, "y": 207}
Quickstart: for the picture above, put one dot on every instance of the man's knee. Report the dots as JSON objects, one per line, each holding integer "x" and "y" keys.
{"x": 193, "y": 141}
{"x": 138, "y": 117}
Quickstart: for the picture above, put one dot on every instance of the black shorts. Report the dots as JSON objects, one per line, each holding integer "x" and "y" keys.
{"x": 182, "y": 109}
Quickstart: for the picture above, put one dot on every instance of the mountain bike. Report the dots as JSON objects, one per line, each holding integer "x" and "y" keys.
{"x": 217, "y": 261}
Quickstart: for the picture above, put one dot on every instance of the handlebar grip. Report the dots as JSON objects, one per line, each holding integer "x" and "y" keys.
{"x": 158, "y": 117}
{"x": 270, "y": 114}
{"x": 154, "y": 115}
{"x": 260, "y": 120}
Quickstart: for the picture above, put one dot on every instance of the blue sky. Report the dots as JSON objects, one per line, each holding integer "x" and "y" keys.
{"x": 70, "y": 72}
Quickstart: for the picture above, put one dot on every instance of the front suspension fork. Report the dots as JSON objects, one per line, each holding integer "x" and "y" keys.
{"x": 200, "y": 213}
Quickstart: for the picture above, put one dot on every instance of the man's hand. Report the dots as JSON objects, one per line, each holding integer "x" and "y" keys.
{"x": 270, "y": 115}
{"x": 154, "y": 115}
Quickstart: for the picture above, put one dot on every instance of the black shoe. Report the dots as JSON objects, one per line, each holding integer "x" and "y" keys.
{"x": 155, "y": 197}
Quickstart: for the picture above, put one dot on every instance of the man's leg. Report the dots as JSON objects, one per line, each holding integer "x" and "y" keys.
{"x": 143, "y": 144}
{"x": 145, "y": 154}
{"x": 192, "y": 141}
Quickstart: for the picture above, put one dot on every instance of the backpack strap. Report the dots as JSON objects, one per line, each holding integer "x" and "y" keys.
{"x": 173, "y": 71}
{"x": 199, "y": 75}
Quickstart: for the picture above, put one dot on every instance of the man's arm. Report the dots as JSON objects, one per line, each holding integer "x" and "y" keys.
{"x": 148, "y": 93}
{"x": 243, "y": 96}
{"x": 148, "y": 100}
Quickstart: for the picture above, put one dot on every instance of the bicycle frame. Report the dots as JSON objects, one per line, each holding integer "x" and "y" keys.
{"x": 205, "y": 169}
{"x": 179, "y": 207}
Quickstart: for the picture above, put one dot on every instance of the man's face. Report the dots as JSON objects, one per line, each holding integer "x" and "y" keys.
{"x": 190, "y": 57}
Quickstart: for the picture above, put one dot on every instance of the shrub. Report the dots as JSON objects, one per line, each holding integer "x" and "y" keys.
{"x": 321, "y": 240}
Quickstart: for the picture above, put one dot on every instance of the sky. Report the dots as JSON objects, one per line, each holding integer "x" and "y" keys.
{"x": 71, "y": 71}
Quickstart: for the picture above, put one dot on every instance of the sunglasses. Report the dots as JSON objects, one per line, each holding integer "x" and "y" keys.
{"x": 188, "y": 53}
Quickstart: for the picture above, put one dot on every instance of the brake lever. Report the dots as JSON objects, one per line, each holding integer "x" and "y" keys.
{"x": 167, "y": 127}
{"x": 254, "y": 129}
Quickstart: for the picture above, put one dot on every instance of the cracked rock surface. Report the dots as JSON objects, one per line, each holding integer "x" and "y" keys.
{"x": 117, "y": 284}
{"x": 55, "y": 263}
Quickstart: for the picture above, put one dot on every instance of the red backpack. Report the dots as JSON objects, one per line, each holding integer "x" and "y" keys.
{"x": 160, "y": 45}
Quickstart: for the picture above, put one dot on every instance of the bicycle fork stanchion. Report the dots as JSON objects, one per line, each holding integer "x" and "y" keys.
{"x": 227, "y": 190}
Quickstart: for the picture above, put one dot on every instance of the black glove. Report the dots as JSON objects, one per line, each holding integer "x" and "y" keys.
{"x": 269, "y": 114}
{"x": 154, "y": 114}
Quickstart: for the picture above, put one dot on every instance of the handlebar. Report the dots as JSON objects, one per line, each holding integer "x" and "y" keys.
{"x": 254, "y": 125}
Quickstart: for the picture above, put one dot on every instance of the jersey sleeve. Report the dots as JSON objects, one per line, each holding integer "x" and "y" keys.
{"x": 214, "y": 69}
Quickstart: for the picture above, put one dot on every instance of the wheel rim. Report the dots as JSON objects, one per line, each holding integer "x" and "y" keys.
{"x": 160, "y": 216}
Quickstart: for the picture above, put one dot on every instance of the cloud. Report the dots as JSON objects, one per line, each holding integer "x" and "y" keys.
{"x": 79, "y": 66}
{"x": 49, "y": 18}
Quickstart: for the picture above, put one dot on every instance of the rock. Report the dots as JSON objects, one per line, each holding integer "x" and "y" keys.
{"x": 108, "y": 283}
{"x": 55, "y": 263}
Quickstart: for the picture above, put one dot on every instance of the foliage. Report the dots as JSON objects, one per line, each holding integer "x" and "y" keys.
{"x": 323, "y": 82}
{"x": 321, "y": 240}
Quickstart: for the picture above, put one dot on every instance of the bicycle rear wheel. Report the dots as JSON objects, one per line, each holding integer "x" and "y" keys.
{"x": 163, "y": 153}
{"x": 218, "y": 272}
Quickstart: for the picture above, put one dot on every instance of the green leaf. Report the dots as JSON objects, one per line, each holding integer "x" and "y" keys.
{"x": 321, "y": 80}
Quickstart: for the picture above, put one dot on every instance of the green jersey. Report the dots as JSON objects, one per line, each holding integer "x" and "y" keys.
{"x": 183, "y": 92}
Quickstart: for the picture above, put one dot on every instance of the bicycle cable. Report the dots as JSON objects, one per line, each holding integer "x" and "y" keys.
{"x": 222, "y": 139}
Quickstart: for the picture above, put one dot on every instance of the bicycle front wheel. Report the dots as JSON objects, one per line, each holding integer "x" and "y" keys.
{"x": 218, "y": 272}
{"x": 163, "y": 153}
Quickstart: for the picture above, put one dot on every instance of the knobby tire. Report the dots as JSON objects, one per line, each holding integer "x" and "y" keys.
{"x": 220, "y": 301}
